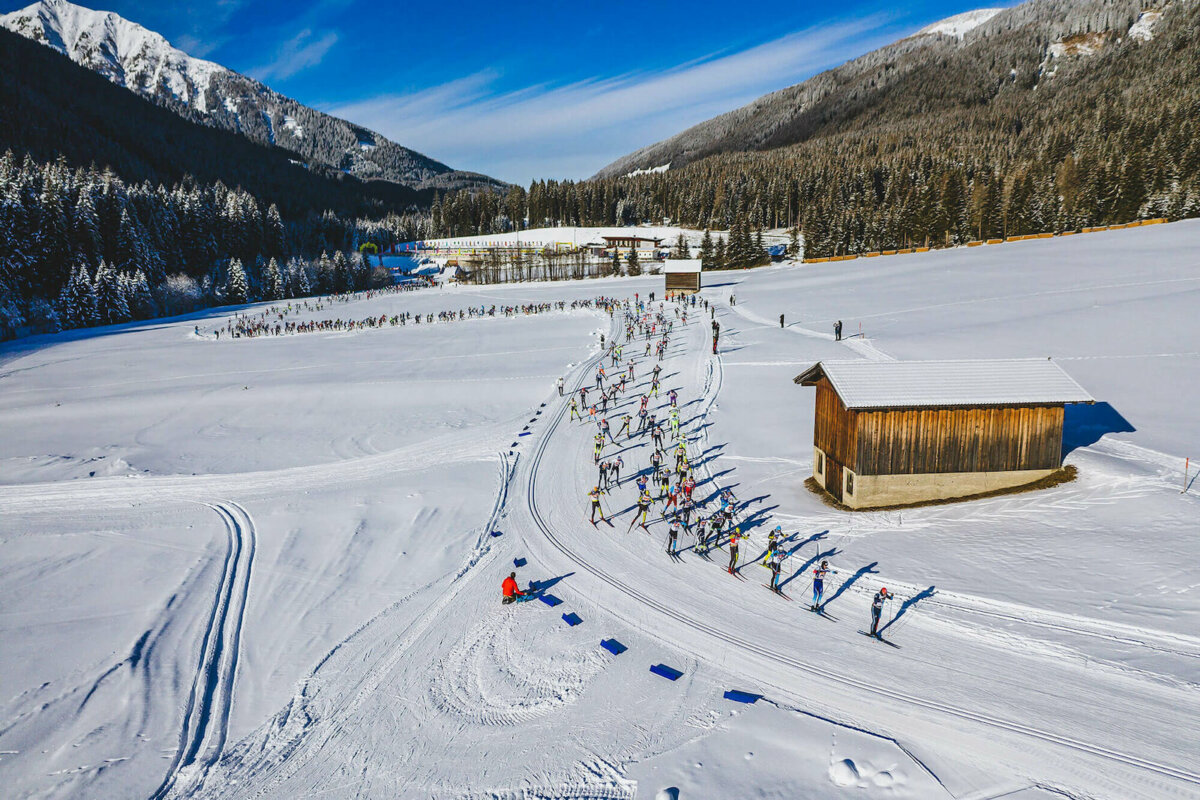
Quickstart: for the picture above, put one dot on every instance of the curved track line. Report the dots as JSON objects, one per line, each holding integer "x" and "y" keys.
{"x": 786, "y": 660}
{"x": 206, "y": 717}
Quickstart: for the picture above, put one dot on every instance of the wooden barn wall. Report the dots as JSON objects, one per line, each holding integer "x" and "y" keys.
{"x": 834, "y": 429}
{"x": 919, "y": 441}
{"x": 682, "y": 281}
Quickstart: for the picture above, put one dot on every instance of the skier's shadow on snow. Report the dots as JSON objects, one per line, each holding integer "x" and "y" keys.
{"x": 757, "y": 519}
{"x": 869, "y": 569}
{"x": 803, "y": 570}
{"x": 907, "y": 604}
{"x": 538, "y": 587}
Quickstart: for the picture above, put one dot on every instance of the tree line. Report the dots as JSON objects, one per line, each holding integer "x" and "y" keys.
{"x": 82, "y": 247}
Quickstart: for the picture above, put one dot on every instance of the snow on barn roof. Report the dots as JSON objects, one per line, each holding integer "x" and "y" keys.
{"x": 673, "y": 265}
{"x": 915, "y": 384}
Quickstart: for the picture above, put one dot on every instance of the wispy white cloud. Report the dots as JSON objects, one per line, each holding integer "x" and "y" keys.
{"x": 296, "y": 54}
{"x": 574, "y": 129}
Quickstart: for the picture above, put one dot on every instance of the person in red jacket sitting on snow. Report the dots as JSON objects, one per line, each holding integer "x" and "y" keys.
{"x": 510, "y": 589}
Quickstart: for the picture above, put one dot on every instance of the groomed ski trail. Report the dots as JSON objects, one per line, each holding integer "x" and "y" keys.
{"x": 206, "y": 717}
{"x": 771, "y": 655}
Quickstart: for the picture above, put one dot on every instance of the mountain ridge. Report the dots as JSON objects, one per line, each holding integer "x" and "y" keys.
{"x": 834, "y": 99}
{"x": 145, "y": 63}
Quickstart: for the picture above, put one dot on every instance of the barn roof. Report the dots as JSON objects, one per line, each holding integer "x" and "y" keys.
{"x": 916, "y": 384}
{"x": 681, "y": 265}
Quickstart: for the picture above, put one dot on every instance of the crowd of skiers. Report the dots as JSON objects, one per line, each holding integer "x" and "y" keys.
{"x": 273, "y": 321}
{"x": 666, "y": 483}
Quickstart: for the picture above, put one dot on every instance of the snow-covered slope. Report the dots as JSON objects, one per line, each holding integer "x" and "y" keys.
{"x": 959, "y": 24}
{"x": 144, "y": 62}
{"x": 262, "y": 567}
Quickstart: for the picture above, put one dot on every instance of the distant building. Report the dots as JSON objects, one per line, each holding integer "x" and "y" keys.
{"x": 889, "y": 433}
{"x": 647, "y": 247}
{"x": 682, "y": 275}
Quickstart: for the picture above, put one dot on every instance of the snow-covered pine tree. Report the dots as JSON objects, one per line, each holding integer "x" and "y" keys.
{"x": 77, "y": 300}
{"x": 706, "y": 249}
{"x": 681, "y": 249}
{"x": 111, "y": 304}
{"x": 140, "y": 298}
{"x": 272, "y": 288}
{"x": 343, "y": 281}
{"x": 237, "y": 286}
{"x": 274, "y": 241}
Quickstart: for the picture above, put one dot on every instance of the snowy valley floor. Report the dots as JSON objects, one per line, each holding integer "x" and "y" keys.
{"x": 265, "y": 568}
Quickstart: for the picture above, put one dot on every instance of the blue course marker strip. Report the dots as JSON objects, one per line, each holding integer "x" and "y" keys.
{"x": 497, "y": 533}
{"x": 670, "y": 673}
{"x": 518, "y": 562}
{"x": 613, "y": 646}
{"x": 742, "y": 697}
{"x": 526, "y": 433}
{"x": 549, "y": 600}
{"x": 572, "y": 619}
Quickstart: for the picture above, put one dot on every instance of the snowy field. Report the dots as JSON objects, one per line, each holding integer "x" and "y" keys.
{"x": 264, "y": 567}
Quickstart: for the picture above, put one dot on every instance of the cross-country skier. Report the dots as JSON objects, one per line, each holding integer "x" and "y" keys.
{"x": 672, "y": 500}
{"x": 599, "y": 447}
{"x": 656, "y": 462}
{"x": 615, "y": 468}
{"x": 641, "y": 483}
{"x": 644, "y": 502}
{"x": 604, "y": 475}
{"x": 575, "y": 409}
{"x": 594, "y": 494}
{"x": 776, "y": 565}
{"x": 672, "y": 538}
{"x": 688, "y": 485}
{"x": 701, "y": 535}
{"x": 734, "y": 538}
{"x": 625, "y": 420}
{"x": 510, "y": 589}
{"x": 728, "y": 502}
{"x": 881, "y": 597}
{"x": 560, "y": 387}
{"x": 818, "y": 585}
{"x": 583, "y": 395}
{"x": 673, "y": 397}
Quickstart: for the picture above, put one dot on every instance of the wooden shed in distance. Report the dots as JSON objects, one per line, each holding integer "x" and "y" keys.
{"x": 683, "y": 275}
{"x": 890, "y": 433}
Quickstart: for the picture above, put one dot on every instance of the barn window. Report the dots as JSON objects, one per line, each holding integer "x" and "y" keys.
{"x": 849, "y": 482}
{"x": 820, "y": 463}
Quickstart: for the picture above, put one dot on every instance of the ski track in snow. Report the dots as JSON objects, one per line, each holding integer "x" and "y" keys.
{"x": 710, "y": 630}
{"x": 206, "y": 717}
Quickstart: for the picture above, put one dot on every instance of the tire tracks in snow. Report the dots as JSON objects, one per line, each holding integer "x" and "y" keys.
{"x": 206, "y": 716}
{"x": 786, "y": 660}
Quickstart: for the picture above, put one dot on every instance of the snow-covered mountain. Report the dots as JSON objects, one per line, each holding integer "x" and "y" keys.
{"x": 145, "y": 62}
{"x": 966, "y": 56}
{"x": 959, "y": 24}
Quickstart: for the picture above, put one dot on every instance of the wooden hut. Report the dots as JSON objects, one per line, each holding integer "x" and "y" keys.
{"x": 891, "y": 433}
{"x": 682, "y": 275}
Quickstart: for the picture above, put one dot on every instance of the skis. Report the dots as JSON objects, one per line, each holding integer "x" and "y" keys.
{"x": 879, "y": 638}
{"x": 736, "y": 574}
{"x": 821, "y": 612}
{"x": 777, "y": 591}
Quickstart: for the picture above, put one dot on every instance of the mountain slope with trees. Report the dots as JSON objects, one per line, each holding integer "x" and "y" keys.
{"x": 104, "y": 195}
{"x": 204, "y": 92}
{"x": 1050, "y": 116}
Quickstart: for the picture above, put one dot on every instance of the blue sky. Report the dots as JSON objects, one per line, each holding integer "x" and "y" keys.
{"x": 527, "y": 90}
